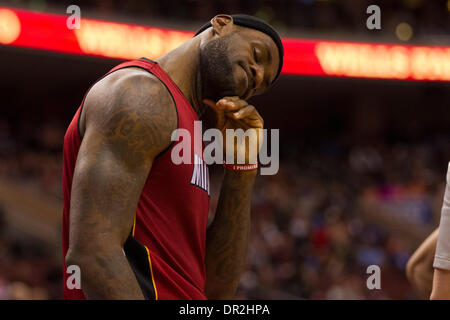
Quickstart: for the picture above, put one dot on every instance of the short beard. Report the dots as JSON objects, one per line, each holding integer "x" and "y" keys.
{"x": 216, "y": 70}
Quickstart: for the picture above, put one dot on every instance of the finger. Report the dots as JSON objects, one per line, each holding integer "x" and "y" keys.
{"x": 256, "y": 123}
{"x": 231, "y": 98}
{"x": 252, "y": 119}
{"x": 244, "y": 112}
{"x": 220, "y": 116}
{"x": 228, "y": 106}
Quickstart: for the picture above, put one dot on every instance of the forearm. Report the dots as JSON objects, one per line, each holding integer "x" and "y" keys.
{"x": 105, "y": 274}
{"x": 227, "y": 237}
{"x": 441, "y": 280}
{"x": 421, "y": 278}
{"x": 441, "y": 285}
{"x": 419, "y": 269}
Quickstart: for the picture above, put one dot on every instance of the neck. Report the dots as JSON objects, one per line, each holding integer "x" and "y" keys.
{"x": 182, "y": 65}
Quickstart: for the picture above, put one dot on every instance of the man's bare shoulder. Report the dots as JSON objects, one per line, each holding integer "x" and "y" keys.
{"x": 133, "y": 109}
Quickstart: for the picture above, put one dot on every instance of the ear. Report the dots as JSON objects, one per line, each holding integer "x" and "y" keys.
{"x": 222, "y": 24}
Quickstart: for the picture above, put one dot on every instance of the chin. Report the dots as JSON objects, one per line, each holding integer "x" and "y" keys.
{"x": 228, "y": 93}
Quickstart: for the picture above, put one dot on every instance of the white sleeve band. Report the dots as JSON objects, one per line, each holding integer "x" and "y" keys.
{"x": 442, "y": 256}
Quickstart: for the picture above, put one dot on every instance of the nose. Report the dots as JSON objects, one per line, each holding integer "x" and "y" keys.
{"x": 258, "y": 75}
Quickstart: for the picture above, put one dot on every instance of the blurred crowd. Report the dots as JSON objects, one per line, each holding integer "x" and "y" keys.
{"x": 29, "y": 155}
{"x": 308, "y": 240}
{"x": 27, "y": 270}
{"x": 32, "y": 154}
{"x": 324, "y": 16}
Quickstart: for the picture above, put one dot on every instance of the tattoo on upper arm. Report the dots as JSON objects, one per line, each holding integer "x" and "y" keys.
{"x": 122, "y": 137}
{"x": 141, "y": 122}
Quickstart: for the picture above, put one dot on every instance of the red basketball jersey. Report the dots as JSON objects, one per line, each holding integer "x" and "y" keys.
{"x": 166, "y": 246}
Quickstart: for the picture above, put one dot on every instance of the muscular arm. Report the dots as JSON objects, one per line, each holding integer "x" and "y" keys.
{"x": 129, "y": 117}
{"x": 419, "y": 269}
{"x": 227, "y": 237}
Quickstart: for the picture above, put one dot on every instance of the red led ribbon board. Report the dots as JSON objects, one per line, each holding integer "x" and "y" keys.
{"x": 45, "y": 31}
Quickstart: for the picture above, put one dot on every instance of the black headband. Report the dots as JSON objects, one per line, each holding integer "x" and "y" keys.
{"x": 257, "y": 24}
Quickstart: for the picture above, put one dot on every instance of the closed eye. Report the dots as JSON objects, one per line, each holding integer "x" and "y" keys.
{"x": 255, "y": 55}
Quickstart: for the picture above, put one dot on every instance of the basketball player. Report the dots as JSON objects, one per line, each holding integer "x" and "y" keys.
{"x": 434, "y": 253}
{"x": 134, "y": 222}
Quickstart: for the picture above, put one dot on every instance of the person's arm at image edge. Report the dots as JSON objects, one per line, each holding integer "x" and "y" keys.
{"x": 441, "y": 264}
{"x": 120, "y": 141}
{"x": 441, "y": 285}
{"x": 441, "y": 278}
{"x": 419, "y": 269}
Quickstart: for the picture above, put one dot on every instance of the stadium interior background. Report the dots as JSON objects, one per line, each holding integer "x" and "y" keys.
{"x": 363, "y": 161}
